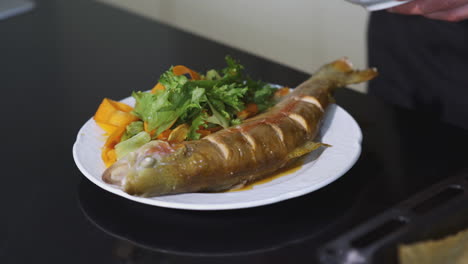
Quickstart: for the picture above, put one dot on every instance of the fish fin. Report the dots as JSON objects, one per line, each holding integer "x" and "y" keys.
{"x": 308, "y": 147}
{"x": 343, "y": 71}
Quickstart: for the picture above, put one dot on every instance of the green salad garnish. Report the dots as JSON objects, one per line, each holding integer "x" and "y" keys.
{"x": 214, "y": 100}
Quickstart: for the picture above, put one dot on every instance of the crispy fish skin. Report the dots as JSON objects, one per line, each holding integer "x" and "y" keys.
{"x": 240, "y": 154}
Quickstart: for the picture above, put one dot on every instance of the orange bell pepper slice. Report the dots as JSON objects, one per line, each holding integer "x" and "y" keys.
{"x": 181, "y": 69}
{"x": 107, "y": 108}
{"x": 282, "y": 92}
{"x": 108, "y": 153}
{"x": 107, "y": 127}
{"x": 112, "y": 114}
{"x": 121, "y": 119}
{"x": 113, "y": 117}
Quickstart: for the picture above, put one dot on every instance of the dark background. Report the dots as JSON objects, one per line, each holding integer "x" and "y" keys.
{"x": 58, "y": 62}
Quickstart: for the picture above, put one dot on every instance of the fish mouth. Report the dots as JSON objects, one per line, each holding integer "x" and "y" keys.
{"x": 116, "y": 174}
{"x": 124, "y": 172}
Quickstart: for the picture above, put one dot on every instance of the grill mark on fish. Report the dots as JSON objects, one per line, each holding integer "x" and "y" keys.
{"x": 287, "y": 106}
{"x": 311, "y": 100}
{"x": 220, "y": 145}
{"x": 278, "y": 132}
{"x": 249, "y": 139}
{"x": 300, "y": 120}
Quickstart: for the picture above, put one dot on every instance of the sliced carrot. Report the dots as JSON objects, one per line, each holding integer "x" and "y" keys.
{"x": 251, "y": 109}
{"x": 164, "y": 135}
{"x": 107, "y": 127}
{"x": 121, "y": 106}
{"x": 104, "y": 111}
{"x": 204, "y": 132}
{"x": 112, "y": 156}
{"x": 107, "y": 156}
{"x": 214, "y": 129}
{"x": 121, "y": 119}
{"x": 113, "y": 117}
{"x": 107, "y": 108}
{"x": 180, "y": 69}
{"x": 282, "y": 92}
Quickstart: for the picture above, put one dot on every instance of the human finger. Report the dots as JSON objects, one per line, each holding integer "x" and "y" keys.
{"x": 423, "y": 7}
{"x": 452, "y": 15}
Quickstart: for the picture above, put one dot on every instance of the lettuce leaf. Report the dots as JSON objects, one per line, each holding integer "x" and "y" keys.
{"x": 213, "y": 100}
{"x": 260, "y": 93}
{"x": 132, "y": 129}
{"x": 198, "y": 121}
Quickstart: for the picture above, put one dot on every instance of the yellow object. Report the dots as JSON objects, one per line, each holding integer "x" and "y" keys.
{"x": 108, "y": 152}
{"x": 158, "y": 87}
{"x": 452, "y": 249}
{"x": 107, "y": 127}
{"x": 108, "y": 107}
{"x": 113, "y": 117}
{"x": 282, "y": 92}
{"x": 121, "y": 119}
{"x": 179, "y": 133}
{"x": 180, "y": 69}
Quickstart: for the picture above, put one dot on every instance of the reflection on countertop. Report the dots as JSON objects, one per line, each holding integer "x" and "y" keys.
{"x": 210, "y": 234}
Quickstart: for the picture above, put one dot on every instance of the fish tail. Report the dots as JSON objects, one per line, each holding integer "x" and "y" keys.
{"x": 344, "y": 73}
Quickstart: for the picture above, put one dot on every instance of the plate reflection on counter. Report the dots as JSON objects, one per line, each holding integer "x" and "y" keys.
{"x": 216, "y": 233}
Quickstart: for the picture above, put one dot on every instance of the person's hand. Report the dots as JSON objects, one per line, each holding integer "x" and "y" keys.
{"x": 448, "y": 10}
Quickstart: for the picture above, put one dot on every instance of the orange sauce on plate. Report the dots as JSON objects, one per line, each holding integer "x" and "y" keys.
{"x": 293, "y": 167}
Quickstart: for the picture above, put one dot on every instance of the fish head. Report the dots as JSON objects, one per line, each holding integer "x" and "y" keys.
{"x": 149, "y": 166}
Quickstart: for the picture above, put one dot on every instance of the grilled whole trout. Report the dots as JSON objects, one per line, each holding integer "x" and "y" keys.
{"x": 240, "y": 154}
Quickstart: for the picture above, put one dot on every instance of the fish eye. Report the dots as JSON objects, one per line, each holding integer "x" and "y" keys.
{"x": 148, "y": 162}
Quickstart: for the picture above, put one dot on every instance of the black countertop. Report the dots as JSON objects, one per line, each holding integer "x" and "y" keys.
{"x": 58, "y": 62}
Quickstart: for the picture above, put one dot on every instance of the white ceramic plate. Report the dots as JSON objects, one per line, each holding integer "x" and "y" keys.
{"x": 339, "y": 129}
